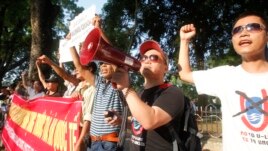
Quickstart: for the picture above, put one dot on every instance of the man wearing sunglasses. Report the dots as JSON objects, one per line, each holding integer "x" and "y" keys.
{"x": 151, "y": 111}
{"x": 242, "y": 89}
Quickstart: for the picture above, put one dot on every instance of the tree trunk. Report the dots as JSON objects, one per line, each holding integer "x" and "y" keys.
{"x": 42, "y": 19}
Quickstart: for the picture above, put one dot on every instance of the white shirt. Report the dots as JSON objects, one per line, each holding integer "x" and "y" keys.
{"x": 238, "y": 90}
{"x": 33, "y": 94}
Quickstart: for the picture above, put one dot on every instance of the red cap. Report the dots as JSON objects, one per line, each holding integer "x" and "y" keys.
{"x": 151, "y": 44}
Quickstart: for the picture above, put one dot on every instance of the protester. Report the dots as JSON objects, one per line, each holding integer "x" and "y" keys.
{"x": 103, "y": 135}
{"x": 4, "y": 93}
{"x": 151, "y": 112}
{"x": 71, "y": 87}
{"x": 51, "y": 84}
{"x": 4, "y": 99}
{"x": 88, "y": 73}
{"x": 11, "y": 88}
{"x": 72, "y": 80}
{"x": 87, "y": 90}
{"x": 21, "y": 91}
{"x": 34, "y": 90}
{"x": 242, "y": 89}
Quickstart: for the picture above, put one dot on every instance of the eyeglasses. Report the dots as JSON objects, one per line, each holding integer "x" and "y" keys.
{"x": 252, "y": 27}
{"x": 101, "y": 63}
{"x": 153, "y": 58}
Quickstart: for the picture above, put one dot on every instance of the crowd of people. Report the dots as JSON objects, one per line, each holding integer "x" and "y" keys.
{"x": 242, "y": 90}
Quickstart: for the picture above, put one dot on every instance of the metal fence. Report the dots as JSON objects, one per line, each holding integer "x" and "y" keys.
{"x": 209, "y": 120}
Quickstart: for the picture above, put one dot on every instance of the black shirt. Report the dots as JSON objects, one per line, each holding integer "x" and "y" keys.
{"x": 171, "y": 100}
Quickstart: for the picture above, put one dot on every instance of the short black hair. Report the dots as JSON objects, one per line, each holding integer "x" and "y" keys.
{"x": 252, "y": 13}
{"x": 53, "y": 78}
{"x": 93, "y": 66}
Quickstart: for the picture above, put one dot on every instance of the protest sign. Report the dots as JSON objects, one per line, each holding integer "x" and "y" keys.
{"x": 79, "y": 28}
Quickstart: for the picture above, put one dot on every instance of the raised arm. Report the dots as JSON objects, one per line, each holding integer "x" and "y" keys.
{"x": 24, "y": 80}
{"x": 90, "y": 76}
{"x": 40, "y": 74}
{"x": 75, "y": 58}
{"x": 185, "y": 71}
{"x": 60, "y": 71}
{"x": 97, "y": 23}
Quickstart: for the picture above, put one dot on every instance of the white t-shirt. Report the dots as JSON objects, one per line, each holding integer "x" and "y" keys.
{"x": 238, "y": 90}
{"x": 88, "y": 99}
{"x": 88, "y": 94}
{"x": 70, "y": 89}
{"x": 32, "y": 94}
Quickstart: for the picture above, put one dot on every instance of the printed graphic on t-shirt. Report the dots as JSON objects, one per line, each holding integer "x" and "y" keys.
{"x": 254, "y": 116}
{"x": 137, "y": 131}
{"x": 136, "y": 127}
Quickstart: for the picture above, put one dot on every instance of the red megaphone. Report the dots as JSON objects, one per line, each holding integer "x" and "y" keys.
{"x": 96, "y": 48}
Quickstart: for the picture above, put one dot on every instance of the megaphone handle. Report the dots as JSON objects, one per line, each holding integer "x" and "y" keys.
{"x": 114, "y": 85}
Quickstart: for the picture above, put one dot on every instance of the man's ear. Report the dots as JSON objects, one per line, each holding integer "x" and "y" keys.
{"x": 90, "y": 69}
{"x": 166, "y": 68}
{"x": 267, "y": 39}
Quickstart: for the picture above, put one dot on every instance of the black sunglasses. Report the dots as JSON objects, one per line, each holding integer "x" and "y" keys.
{"x": 251, "y": 27}
{"x": 153, "y": 58}
{"x": 101, "y": 63}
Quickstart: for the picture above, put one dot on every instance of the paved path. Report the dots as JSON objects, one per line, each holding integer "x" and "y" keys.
{"x": 211, "y": 144}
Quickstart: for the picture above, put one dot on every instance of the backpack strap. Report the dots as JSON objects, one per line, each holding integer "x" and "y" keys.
{"x": 162, "y": 87}
{"x": 188, "y": 111}
{"x": 187, "y": 114}
{"x": 122, "y": 132}
{"x": 177, "y": 143}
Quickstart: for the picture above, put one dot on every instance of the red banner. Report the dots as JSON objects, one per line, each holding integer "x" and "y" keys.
{"x": 45, "y": 123}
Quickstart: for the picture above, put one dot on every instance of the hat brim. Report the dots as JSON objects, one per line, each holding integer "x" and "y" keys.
{"x": 52, "y": 81}
{"x": 148, "y": 45}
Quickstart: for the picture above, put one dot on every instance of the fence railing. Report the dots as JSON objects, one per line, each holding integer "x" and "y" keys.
{"x": 209, "y": 120}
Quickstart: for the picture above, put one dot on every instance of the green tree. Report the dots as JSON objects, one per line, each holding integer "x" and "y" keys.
{"x": 29, "y": 28}
{"x": 14, "y": 35}
{"x": 128, "y": 23}
{"x": 44, "y": 17}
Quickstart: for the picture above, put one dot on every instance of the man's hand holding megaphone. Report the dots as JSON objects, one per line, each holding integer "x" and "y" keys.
{"x": 121, "y": 79}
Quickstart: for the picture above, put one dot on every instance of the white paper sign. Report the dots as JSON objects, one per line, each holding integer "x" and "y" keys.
{"x": 64, "y": 51}
{"x": 79, "y": 28}
{"x": 81, "y": 25}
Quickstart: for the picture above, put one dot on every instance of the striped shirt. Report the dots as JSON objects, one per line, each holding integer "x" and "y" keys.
{"x": 106, "y": 98}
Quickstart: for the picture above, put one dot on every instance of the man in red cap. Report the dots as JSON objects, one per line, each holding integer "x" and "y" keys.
{"x": 159, "y": 103}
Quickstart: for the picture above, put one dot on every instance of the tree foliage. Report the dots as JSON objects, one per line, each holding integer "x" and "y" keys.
{"x": 16, "y": 33}
{"x": 128, "y": 23}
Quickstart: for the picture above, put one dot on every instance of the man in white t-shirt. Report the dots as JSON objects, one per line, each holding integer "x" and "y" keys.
{"x": 35, "y": 90}
{"x": 242, "y": 89}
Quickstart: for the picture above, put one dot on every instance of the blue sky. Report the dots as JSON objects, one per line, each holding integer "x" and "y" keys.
{"x": 88, "y": 3}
